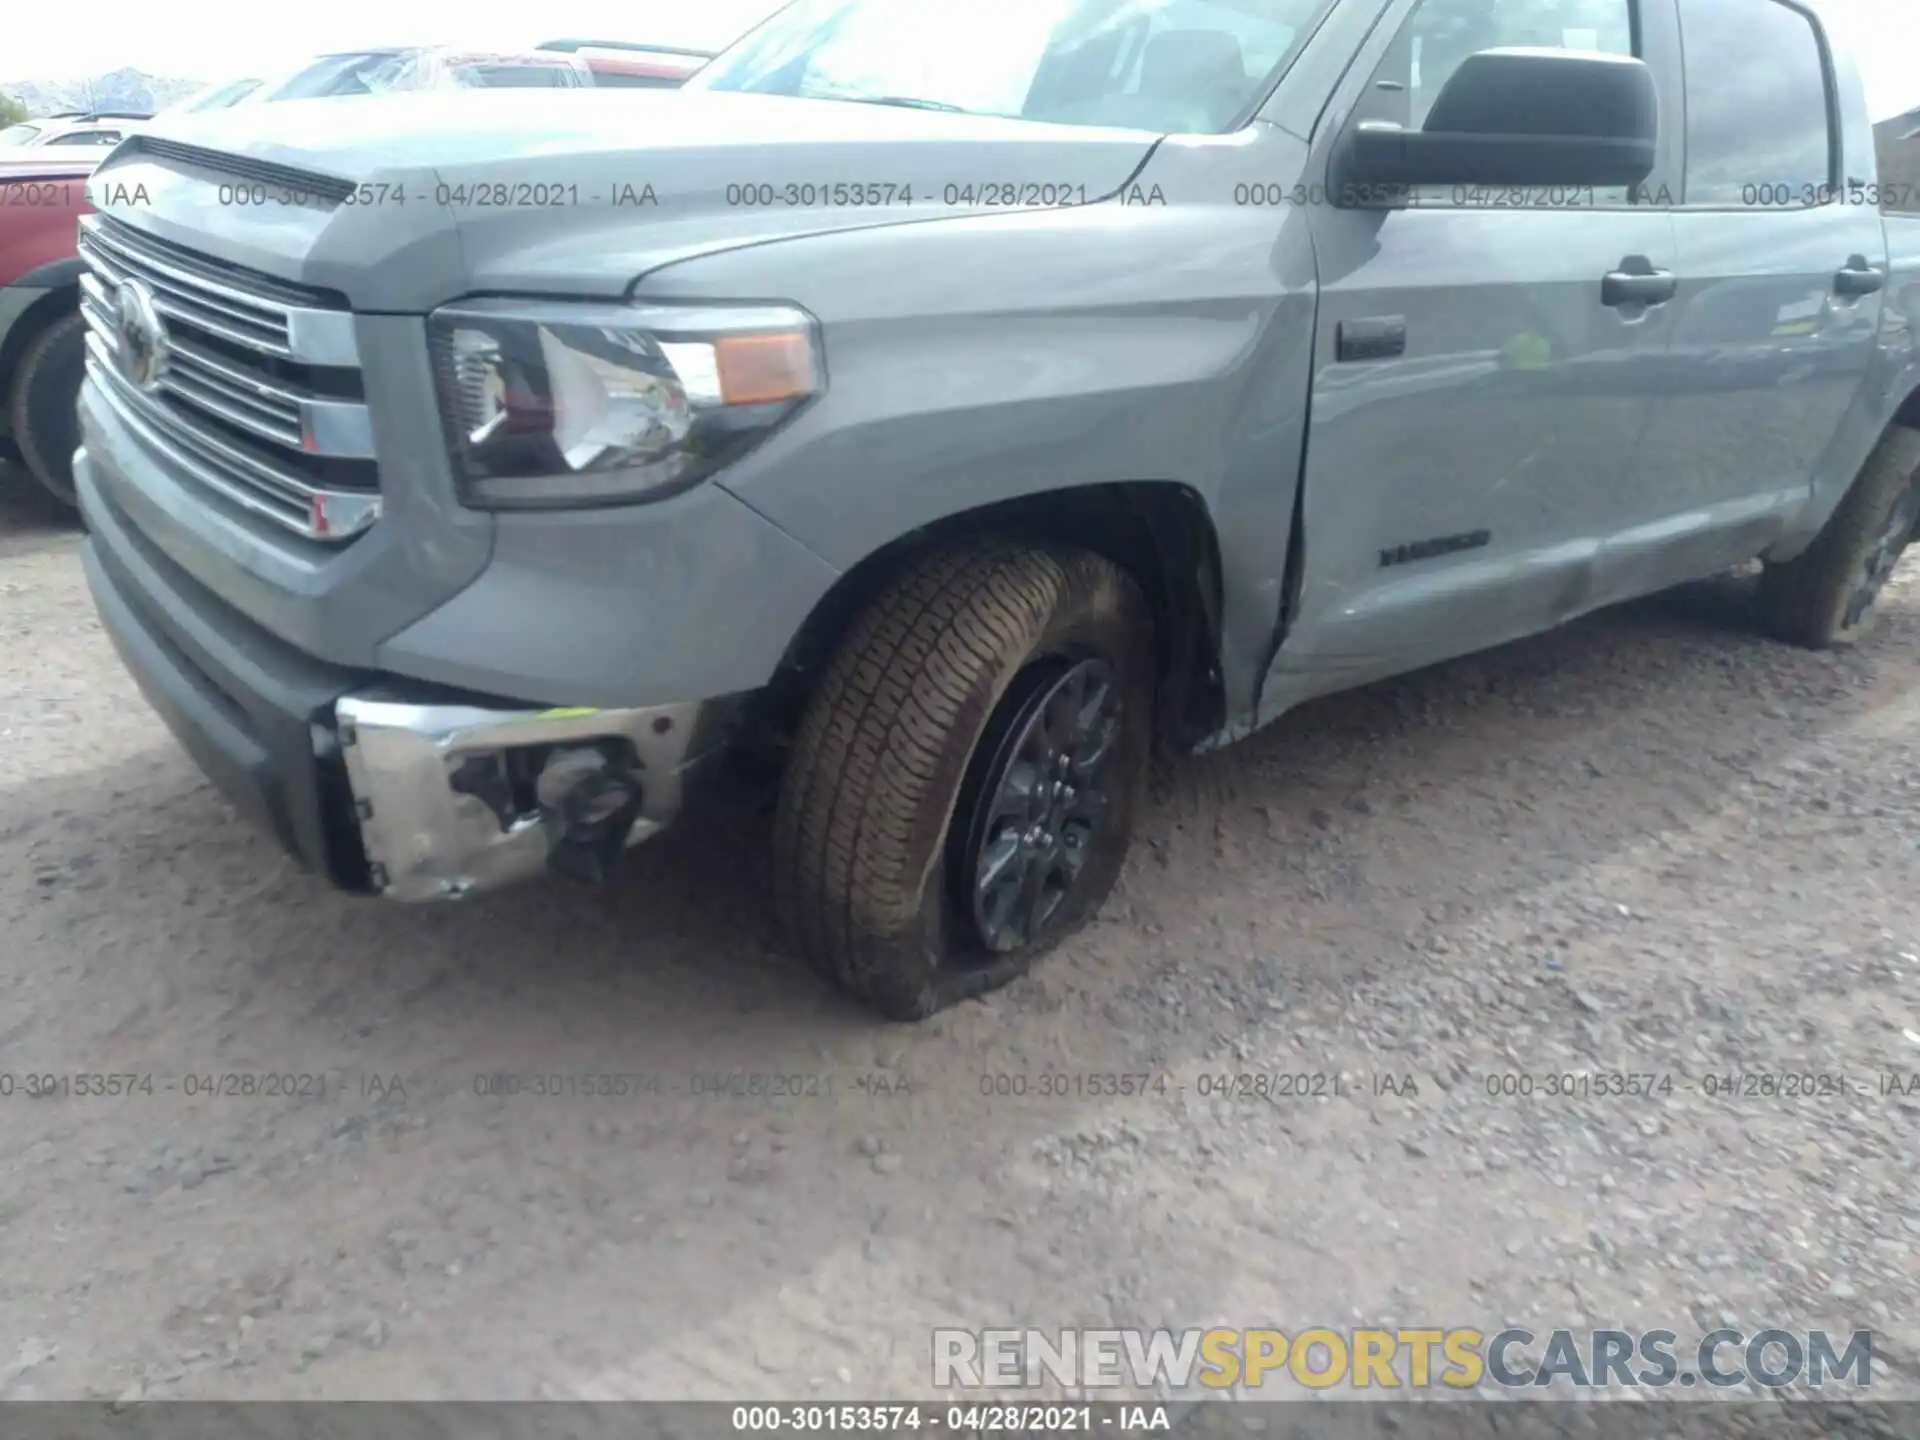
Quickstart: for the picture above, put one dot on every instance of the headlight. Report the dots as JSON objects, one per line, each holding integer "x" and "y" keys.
{"x": 553, "y": 403}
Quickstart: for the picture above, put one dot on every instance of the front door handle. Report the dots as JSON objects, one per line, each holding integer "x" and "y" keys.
{"x": 1858, "y": 278}
{"x": 1636, "y": 282}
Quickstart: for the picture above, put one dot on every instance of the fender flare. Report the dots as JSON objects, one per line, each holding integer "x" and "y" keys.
{"x": 54, "y": 275}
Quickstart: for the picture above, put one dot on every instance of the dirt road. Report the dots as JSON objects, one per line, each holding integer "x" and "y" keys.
{"x": 1652, "y": 843}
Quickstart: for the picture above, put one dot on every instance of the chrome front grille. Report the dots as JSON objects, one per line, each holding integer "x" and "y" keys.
{"x": 255, "y": 394}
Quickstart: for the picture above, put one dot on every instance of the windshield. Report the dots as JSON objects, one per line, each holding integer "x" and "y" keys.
{"x": 366, "y": 73}
{"x": 1164, "y": 65}
{"x": 376, "y": 72}
{"x": 18, "y": 134}
{"x": 214, "y": 97}
{"x": 511, "y": 77}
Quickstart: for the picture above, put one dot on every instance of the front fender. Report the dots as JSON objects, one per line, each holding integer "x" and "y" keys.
{"x": 986, "y": 359}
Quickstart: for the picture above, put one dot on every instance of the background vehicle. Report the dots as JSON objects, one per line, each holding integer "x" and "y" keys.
{"x": 623, "y": 66}
{"x": 377, "y": 71}
{"x": 214, "y": 97}
{"x": 1898, "y": 144}
{"x": 100, "y": 129}
{"x": 42, "y": 346}
{"x": 980, "y": 410}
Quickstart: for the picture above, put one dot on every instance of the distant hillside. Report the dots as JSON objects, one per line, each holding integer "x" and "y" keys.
{"x": 123, "y": 89}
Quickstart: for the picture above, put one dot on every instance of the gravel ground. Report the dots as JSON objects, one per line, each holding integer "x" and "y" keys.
{"x": 1650, "y": 843}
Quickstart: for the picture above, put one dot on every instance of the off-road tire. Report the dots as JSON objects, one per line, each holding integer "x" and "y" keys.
{"x": 867, "y": 803}
{"x": 1805, "y": 600}
{"x": 43, "y": 406}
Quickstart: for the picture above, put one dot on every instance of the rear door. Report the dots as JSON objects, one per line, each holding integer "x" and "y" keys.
{"x": 1781, "y": 271}
{"x": 1479, "y": 392}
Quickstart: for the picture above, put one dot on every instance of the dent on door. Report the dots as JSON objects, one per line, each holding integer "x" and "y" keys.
{"x": 1458, "y": 491}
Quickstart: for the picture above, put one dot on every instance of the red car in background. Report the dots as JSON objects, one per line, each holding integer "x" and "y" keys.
{"x": 42, "y": 345}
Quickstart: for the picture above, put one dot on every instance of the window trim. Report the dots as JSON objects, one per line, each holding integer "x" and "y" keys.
{"x": 1834, "y": 185}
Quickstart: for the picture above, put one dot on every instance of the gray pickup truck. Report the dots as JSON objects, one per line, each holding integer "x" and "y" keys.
{"x": 931, "y": 418}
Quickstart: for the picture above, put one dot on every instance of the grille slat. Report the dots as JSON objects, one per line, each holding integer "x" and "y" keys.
{"x": 255, "y": 492}
{"x": 269, "y": 322}
{"x": 234, "y": 409}
{"x": 210, "y": 408}
{"x": 198, "y": 375}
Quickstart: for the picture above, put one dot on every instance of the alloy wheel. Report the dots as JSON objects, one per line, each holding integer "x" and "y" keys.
{"x": 1044, "y": 799}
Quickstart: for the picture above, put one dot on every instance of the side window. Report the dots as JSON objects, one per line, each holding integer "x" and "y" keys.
{"x": 1192, "y": 64}
{"x": 1757, "y": 115}
{"x": 1440, "y": 34}
{"x": 1261, "y": 41}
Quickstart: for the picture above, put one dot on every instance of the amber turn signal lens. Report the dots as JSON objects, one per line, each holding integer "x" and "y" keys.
{"x": 764, "y": 369}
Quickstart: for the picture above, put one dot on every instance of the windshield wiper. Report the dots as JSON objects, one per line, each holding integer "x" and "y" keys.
{"x": 905, "y": 102}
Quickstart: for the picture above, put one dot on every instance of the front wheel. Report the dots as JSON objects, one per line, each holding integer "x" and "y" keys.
{"x": 963, "y": 788}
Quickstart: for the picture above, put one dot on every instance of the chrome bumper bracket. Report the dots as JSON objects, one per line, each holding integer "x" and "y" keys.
{"x": 426, "y": 841}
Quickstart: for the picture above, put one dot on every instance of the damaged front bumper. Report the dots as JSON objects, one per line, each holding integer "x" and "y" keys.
{"x": 455, "y": 799}
{"x": 382, "y": 784}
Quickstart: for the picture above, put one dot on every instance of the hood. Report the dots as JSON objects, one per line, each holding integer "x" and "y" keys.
{"x": 571, "y": 192}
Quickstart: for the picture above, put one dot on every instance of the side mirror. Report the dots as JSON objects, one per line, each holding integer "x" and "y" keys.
{"x": 1518, "y": 117}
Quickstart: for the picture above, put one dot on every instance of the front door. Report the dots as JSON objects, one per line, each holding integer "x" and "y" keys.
{"x": 1480, "y": 383}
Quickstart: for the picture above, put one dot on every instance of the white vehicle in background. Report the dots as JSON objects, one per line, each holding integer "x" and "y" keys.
{"x": 98, "y": 129}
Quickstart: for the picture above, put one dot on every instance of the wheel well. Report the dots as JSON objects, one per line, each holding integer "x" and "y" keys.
{"x": 50, "y": 307}
{"x": 1909, "y": 412}
{"x": 1158, "y": 532}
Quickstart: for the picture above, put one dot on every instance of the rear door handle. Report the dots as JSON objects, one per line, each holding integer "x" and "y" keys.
{"x": 1858, "y": 278}
{"x": 1636, "y": 282}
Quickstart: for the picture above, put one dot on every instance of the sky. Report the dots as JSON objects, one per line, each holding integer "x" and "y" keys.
{"x": 216, "y": 40}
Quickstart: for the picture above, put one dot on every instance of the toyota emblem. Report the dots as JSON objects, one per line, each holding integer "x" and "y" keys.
{"x": 140, "y": 334}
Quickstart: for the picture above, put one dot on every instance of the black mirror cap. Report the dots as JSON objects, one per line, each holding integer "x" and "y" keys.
{"x": 1519, "y": 117}
{"x": 1380, "y": 161}
{"x": 1540, "y": 93}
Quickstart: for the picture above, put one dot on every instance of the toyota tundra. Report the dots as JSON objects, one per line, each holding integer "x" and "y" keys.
{"x": 934, "y": 409}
